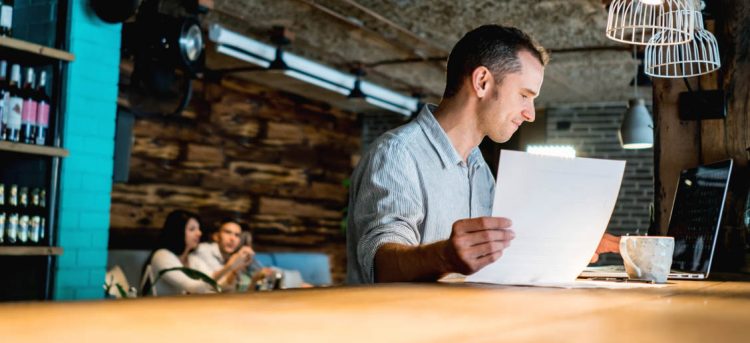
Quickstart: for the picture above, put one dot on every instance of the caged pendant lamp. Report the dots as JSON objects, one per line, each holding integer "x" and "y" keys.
{"x": 637, "y": 21}
{"x": 696, "y": 57}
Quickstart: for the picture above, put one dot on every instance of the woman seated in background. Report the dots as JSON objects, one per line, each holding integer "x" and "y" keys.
{"x": 179, "y": 236}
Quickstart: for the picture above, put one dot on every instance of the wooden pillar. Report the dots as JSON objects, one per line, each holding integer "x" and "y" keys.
{"x": 680, "y": 144}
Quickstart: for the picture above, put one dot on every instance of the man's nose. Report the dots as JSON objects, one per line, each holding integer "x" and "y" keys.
{"x": 529, "y": 114}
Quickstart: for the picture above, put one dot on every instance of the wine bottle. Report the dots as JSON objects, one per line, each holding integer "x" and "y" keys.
{"x": 3, "y": 97}
{"x": 22, "y": 235}
{"x": 11, "y": 228}
{"x": 23, "y": 197}
{"x": 2, "y": 227}
{"x": 13, "y": 196}
{"x": 35, "y": 198}
{"x": 6, "y": 18}
{"x": 2, "y": 213}
{"x": 14, "y": 107}
{"x": 43, "y": 107}
{"x": 34, "y": 228}
{"x": 28, "y": 115}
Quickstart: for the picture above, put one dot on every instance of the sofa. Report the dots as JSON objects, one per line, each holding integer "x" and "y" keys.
{"x": 314, "y": 268}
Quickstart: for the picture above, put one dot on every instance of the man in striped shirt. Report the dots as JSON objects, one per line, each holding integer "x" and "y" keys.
{"x": 421, "y": 196}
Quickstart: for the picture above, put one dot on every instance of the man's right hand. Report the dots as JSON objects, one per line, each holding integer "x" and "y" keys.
{"x": 242, "y": 258}
{"x": 477, "y": 242}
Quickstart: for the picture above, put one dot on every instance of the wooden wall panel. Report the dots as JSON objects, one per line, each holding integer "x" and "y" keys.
{"x": 275, "y": 160}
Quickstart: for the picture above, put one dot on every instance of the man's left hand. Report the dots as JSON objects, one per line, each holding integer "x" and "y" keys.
{"x": 609, "y": 243}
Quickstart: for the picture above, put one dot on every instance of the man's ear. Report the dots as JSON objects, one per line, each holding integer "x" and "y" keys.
{"x": 215, "y": 236}
{"x": 480, "y": 81}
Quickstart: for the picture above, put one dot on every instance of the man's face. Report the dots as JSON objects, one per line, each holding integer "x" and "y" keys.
{"x": 228, "y": 238}
{"x": 511, "y": 103}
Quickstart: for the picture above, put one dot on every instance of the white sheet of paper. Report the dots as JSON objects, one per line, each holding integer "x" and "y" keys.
{"x": 560, "y": 208}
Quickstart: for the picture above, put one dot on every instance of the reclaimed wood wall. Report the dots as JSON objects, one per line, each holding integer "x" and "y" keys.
{"x": 242, "y": 150}
{"x": 684, "y": 144}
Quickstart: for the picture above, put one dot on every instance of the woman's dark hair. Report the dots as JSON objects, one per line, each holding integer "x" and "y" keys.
{"x": 493, "y": 46}
{"x": 172, "y": 236}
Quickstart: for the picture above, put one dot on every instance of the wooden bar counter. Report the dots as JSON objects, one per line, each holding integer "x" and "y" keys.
{"x": 685, "y": 311}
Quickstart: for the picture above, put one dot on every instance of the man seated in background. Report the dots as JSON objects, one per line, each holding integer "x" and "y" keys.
{"x": 230, "y": 260}
{"x": 224, "y": 259}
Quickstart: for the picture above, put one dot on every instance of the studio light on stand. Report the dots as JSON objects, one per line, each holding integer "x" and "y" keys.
{"x": 637, "y": 128}
{"x": 168, "y": 52}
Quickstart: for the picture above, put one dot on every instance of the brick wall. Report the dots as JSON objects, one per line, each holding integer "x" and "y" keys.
{"x": 592, "y": 130}
{"x": 374, "y": 125}
{"x": 241, "y": 150}
{"x": 89, "y": 126}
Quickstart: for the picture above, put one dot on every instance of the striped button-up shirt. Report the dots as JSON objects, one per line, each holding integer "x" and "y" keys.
{"x": 409, "y": 188}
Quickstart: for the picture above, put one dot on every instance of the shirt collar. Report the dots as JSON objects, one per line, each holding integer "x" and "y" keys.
{"x": 216, "y": 252}
{"x": 439, "y": 139}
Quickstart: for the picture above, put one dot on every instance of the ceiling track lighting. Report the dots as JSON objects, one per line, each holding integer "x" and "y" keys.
{"x": 637, "y": 21}
{"x": 348, "y": 91}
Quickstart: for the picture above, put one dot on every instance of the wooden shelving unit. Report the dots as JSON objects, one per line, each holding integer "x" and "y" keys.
{"x": 37, "y": 166}
{"x": 35, "y": 49}
{"x": 33, "y": 149}
{"x": 30, "y": 251}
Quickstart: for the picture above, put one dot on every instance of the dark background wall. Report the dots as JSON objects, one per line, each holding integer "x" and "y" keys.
{"x": 682, "y": 144}
{"x": 272, "y": 159}
{"x": 592, "y": 130}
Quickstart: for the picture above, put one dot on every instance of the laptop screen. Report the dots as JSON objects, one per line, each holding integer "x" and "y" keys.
{"x": 696, "y": 215}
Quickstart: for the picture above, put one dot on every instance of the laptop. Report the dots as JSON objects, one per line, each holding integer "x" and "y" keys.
{"x": 694, "y": 223}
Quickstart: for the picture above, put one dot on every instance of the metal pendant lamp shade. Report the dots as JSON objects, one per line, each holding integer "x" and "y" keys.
{"x": 637, "y": 21}
{"x": 696, "y": 57}
{"x": 637, "y": 129}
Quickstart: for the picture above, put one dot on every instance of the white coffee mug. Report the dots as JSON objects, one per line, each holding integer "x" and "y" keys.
{"x": 647, "y": 257}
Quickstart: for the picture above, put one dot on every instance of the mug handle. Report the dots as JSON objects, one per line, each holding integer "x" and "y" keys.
{"x": 625, "y": 256}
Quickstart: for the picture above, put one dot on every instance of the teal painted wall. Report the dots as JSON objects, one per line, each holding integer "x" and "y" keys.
{"x": 89, "y": 131}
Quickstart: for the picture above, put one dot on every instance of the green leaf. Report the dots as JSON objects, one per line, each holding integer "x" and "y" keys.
{"x": 122, "y": 292}
{"x": 191, "y": 273}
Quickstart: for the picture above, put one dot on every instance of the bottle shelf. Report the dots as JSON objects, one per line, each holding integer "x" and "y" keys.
{"x": 30, "y": 251}
{"x": 33, "y": 149}
{"x": 29, "y": 48}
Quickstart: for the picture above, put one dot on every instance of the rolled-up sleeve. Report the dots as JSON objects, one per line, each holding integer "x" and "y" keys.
{"x": 387, "y": 205}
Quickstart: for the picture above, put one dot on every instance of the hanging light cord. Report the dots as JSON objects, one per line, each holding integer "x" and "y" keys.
{"x": 635, "y": 83}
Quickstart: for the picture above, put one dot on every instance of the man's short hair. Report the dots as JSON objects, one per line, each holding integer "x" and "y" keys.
{"x": 493, "y": 46}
